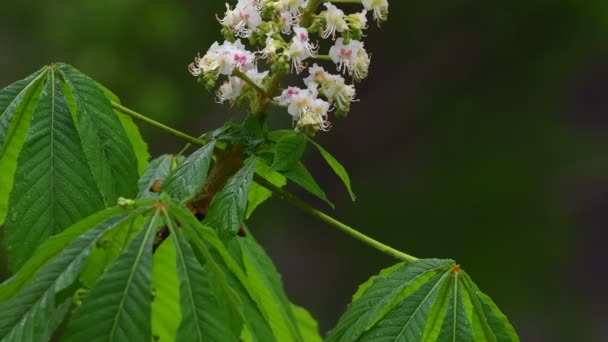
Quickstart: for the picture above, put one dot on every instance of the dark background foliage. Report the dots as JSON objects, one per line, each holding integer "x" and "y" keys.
{"x": 480, "y": 136}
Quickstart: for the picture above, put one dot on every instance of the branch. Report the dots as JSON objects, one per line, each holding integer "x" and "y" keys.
{"x": 332, "y": 221}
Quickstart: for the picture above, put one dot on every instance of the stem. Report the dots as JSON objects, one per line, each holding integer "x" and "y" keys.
{"x": 280, "y": 192}
{"x": 157, "y": 124}
{"x": 248, "y": 80}
{"x": 309, "y": 13}
{"x": 346, "y": 1}
{"x": 322, "y": 57}
{"x": 332, "y": 221}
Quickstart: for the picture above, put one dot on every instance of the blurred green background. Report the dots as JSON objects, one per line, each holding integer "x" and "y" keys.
{"x": 480, "y": 136}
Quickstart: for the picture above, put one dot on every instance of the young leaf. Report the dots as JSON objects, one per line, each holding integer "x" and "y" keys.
{"x": 119, "y": 304}
{"x": 53, "y": 187}
{"x": 424, "y": 300}
{"x": 206, "y": 310}
{"x": 337, "y": 167}
{"x": 157, "y": 170}
{"x": 301, "y": 176}
{"x": 288, "y": 151}
{"x": 259, "y": 194}
{"x": 228, "y": 207}
{"x": 166, "y": 314}
{"x": 189, "y": 177}
{"x": 35, "y": 312}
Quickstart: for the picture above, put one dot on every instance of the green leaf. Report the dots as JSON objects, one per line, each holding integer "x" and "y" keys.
{"x": 288, "y": 151}
{"x": 51, "y": 248}
{"x": 36, "y": 311}
{"x": 166, "y": 314}
{"x": 158, "y": 169}
{"x": 118, "y": 307}
{"x": 308, "y": 326}
{"x": 189, "y": 177}
{"x": 228, "y": 274}
{"x": 228, "y": 207}
{"x": 424, "y": 300}
{"x": 337, "y": 167}
{"x": 259, "y": 194}
{"x": 208, "y": 314}
{"x": 17, "y": 102}
{"x": 53, "y": 185}
{"x": 106, "y": 145}
{"x": 266, "y": 288}
{"x": 137, "y": 142}
{"x": 64, "y": 154}
{"x": 301, "y": 176}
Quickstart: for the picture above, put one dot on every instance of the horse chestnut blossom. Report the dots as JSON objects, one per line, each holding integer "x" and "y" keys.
{"x": 280, "y": 37}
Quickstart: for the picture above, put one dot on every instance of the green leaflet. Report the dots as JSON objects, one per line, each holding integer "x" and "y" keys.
{"x": 105, "y": 142}
{"x": 259, "y": 194}
{"x": 424, "y": 300}
{"x": 337, "y": 167}
{"x": 17, "y": 102}
{"x": 309, "y": 328}
{"x": 119, "y": 304}
{"x": 301, "y": 176}
{"x": 288, "y": 151}
{"x": 158, "y": 169}
{"x": 166, "y": 315}
{"x": 186, "y": 180}
{"x": 228, "y": 207}
{"x": 266, "y": 288}
{"x": 137, "y": 142}
{"x": 36, "y": 311}
{"x": 209, "y": 315}
{"x": 232, "y": 281}
{"x": 51, "y": 124}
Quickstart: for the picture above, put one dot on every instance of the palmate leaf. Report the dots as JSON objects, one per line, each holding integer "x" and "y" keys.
{"x": 120, "y": 303}
{"x": 288, "y": 151}
{"x": 64, "y": 154}
{"x": 37, "y": 308}
{"x": 228, "y": 207}
{"x": 301, "y": 176}
{"x": 424, "y": 300}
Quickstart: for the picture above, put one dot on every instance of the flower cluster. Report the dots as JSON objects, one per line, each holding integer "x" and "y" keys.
{"x": 286, "y": 35}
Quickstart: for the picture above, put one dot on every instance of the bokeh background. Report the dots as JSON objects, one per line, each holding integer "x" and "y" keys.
{"x": 481, "y": 135}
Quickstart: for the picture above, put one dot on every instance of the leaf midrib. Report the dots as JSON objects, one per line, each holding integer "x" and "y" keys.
{"x": 440, "y": 281}
{"x": 151, "y": 224}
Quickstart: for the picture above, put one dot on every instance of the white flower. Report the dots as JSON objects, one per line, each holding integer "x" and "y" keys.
{"x": 351, "y": 58}
{"x": 223, "y": 59}
{"x": 337, "y": 91}
{"x": 234, "y": 86}
{"x": 317, "y": 76}
{"x": 271, "y": 47}
{"x": 379, "y": 7}
{"x": 315, "y": 118}
{"x": 358, "y": 20}
{"x": 300, "y": 49}
{"x": 293, "y": 7}
{"x": 245, "y": 17}
{"x": 334, "y": 17}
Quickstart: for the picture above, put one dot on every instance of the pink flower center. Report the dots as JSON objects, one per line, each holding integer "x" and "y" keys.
{"x": 345, "y": 54}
